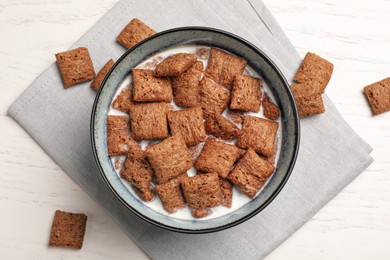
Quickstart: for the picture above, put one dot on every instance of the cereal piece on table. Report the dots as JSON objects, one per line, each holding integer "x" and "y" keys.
{"x": 223, "y": 67}
{"x": 271, "y": 110}
{"x": 134, "y": 32}
{"x": 175, "y": 65}
{"x": 68, "y": 229}
{"x": 212, "y": 97}
{"x": 378, "y": 95}
{"x": 75, "y": 66}
{"x": 200, "y": 213}
{"x": 95, "y": 84}
{"x": 246, "y": 94}
{"x": 221, "y": 127}
{"x": 202, "y": 191}
{"x": 124, "y": 100}
{"x": 171, "y": 195}
{"x": 118, "y": 135}
{"x": 308, "y": 101}
{"x": 186, "y": 86}
{"x": 227, "y": 192}
{"x": 260, "y": 135}
{"x": 147, "y": 87}
{"x": 169, "y": 158}
{"x": 315, "y": 72}
{"x": 138, "y": 172}
{"x": 149, "y": 121}
{"x": 189, "y": 123}
{"x": 218, "y": 157}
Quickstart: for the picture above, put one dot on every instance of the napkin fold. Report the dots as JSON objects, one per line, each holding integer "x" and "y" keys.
{"x": 331, "y": 154}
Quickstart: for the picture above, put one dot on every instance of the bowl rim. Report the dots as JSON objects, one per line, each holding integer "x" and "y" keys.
{"x": 244, "y": 218}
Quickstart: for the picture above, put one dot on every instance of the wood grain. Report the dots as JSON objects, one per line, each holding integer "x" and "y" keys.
{"x": 353, "y": 34}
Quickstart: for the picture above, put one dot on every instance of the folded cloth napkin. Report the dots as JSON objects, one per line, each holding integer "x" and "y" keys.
{"x": 331, "y": 154}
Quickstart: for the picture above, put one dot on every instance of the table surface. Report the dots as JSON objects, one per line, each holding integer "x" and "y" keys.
{"x": 352, "y": 34}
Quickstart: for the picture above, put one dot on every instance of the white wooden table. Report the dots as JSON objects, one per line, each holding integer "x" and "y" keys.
{"x": 353, "y": 34}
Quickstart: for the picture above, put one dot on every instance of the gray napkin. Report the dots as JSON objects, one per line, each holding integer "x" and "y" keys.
{"x": 331, "y": 153}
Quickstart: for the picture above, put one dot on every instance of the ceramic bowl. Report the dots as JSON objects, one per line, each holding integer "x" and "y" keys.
{"x": 260, "y": 62}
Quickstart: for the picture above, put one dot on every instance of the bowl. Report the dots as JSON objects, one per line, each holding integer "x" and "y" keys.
{"x": 261, "y": 63}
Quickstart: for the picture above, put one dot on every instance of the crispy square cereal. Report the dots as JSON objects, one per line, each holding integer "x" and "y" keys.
{"x": 250, "y": 173}
{"x": 271, "y": 110}
{"x": 95, "y": 84}
{"x": 212, "y": 97}
{"x": 170, "y": 158}
{"x": 217, "y": 156}
{"x": 315, "y": 72}
{"x": 202, "y": 191}
{"x": 309, "y": 102}
{"x": 147, "y": 87}
{"x": 378, "y": 95}
{"x": 223, "y": 67}
{"x": 68, "y": 229}
{"x": 186, "y": 86}
{"x": 227, "y": 192}
{"x": 138, "y": 172}
{"x": 221, "y": 127}
{"x": 124, "y": 101}
{"x": 171, "y": 195}
{"x": 246, "y": 93}
{"x": 189, "y": 123}
{"x": 75, "y": 66}
{"x": 260, "y": 135}
{"x": 118, "y": 135}
{"x": 149, "y": 121}
{"x": 134, "y": 32}
{"x": 175, "y": 65}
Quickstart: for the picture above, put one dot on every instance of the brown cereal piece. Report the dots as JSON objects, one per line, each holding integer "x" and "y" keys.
{"x": 175, "y": 65}
{"x": 256, "y": 165}
{"x": 171, "y": 195}
{"x": 378, "y": 95}
{"x": 134, "y": 32}
{"x": 227, "y": 192}
{"x": 212, "y": 97}
{"x": 271, "y": 110}
{"x": 246, "y": 93}
{"x": 118, "y": 135}
{"x": 309, "y": 102}
{"x": 186, "y": 86}
{"x": 138, "y": 172}
{"x": 250, "y": 173}
{"x": 169, "y": 158}
{"x": 217, "y": 156}
{"x": 200, "y": 213}
{"x": 75, "y": 66}
{"x": 68, "y": 229}
{"x": 202, "y": 191}
{"x": 147, "y": 87}
{"x": 149, "y": 121}
{"x": 315, "y": 72}
{"x": 247, "y": 183}
{"x": 95, "y": 84}
{"x": 124, "y": 100}
{"x": 221, "y": 127}
{"x": 259, "y": 134}
{"x": 223, "y": 67}
{"x": 189, "y": 123}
